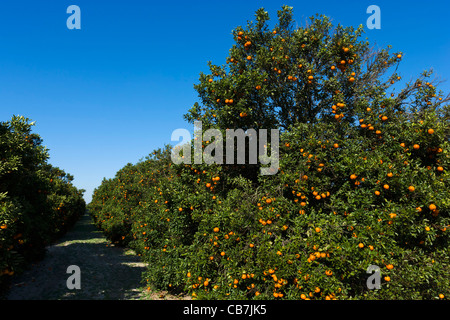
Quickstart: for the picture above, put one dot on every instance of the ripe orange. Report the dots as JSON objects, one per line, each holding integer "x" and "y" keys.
{"x": 216, "y": 229}
{"x": 416, "y": 146}
{"x": 335, "y": 145}
{"x": 249, "y": 58}
{"x": 353, "y": 176}
{"x": 430, "y": 131}
{"x": 317, "y": 229}
{"x": 432, "y": 207}
{"x": 440, "y": 169}
{"x": 411, "y": 188}
{"x": 384, "y": 118}
{"x": 387, "y": 278}
{"x": 361, "y": 245}
{"x": 386, "y": 186}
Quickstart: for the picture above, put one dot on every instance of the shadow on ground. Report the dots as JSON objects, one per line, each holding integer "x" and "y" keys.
{"x": 106, "y": 272}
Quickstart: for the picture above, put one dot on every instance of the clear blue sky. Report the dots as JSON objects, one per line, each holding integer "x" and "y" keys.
{"x": 114, "y": 91}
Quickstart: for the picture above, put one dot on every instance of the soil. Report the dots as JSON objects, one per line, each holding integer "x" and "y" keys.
{"x": 107, "y": 272}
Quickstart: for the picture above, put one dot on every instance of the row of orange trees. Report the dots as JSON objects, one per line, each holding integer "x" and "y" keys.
{"x": 38, "y": 203}
{"x": 363, "y": 177}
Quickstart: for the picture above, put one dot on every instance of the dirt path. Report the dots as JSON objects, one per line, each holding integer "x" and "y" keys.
{"x": 107, "y": 272}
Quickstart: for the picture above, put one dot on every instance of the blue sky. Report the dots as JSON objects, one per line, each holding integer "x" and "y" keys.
{"x": 114, "y": 91}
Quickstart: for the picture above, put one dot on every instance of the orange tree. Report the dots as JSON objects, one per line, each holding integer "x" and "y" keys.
{"x": 38, "y": 203}
{"x": 362, "y": 178}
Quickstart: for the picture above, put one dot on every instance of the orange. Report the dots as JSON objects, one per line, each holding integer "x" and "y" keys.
{"x": 361, "y": 245}
{"x": 416, "y": 146}
{"x": 386, "y": 186}
{"x": 353, "y": 176}
{"x": 387, "y": 278}
{"x": 430, "y": 131}
{"x": 216, "y": 229}
{"x": 440, "y": 169}
{"x": 384, "y": 118}
{"x": 389, "y": 266}
{"x": 411, "y": 188}
{"x": 317, "y": 229}
{"x": 432, "y": 207}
